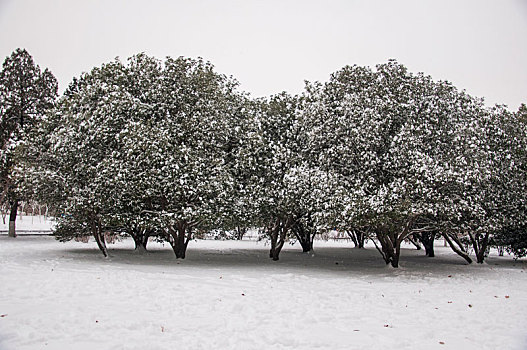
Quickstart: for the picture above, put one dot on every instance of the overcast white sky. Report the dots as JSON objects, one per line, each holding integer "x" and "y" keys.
{"x": 274, "y": 45}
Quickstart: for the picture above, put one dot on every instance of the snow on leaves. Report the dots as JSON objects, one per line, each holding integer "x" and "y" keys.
{"x": 168, "y": 148}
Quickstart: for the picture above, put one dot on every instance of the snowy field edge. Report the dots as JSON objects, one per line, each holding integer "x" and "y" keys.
{"x": 229, "y": 294}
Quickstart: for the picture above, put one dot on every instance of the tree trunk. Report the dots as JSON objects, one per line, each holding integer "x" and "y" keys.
{"x": 391, "y": 241}
{"x": 305, "y": 235}
{"x": 307, "y": 246}
{"x": 361, "y": 237}
{"x": 480, "y": 244}
{"x": 99, "y": 238}
{"x": 180, "y": 238}
{"x": 140, "y": 245}
{"x": 278, "y": 233}
{"x": 273, "y": 236}
{"x": 351, "y": 235}
{"x": 277, "y": 243}
{"x": 180, "y": 251}
{"x": 240, "y": 232}
{"x": 140, "y": 237}
{"x": 458, "y": 249}
{"x": 98, "y": 234}
{"x": 395, "y": 258}
{"x": 414, "y": 242}
{"x": 427, "y": 239}
{"x": 358, "y": 237}
{"x": 389, "y": 252}
{"x": 12, "y": 219}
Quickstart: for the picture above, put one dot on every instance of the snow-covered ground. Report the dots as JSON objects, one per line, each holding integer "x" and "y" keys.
{"x": 230, "y": 295}
{"x": 28, "y": 224}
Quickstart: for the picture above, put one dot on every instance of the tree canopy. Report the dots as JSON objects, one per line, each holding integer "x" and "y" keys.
{"x": 171, "y": 148}
{"x": 26, "y": 93}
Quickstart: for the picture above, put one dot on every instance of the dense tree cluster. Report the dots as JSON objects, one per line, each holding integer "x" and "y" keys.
{"x": 417, "y": 158}
{"x": 169, "y": 149}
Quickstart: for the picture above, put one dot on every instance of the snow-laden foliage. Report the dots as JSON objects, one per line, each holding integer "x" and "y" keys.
{"x": 26, "y": 93}
{"x": 143, "y": 147}
{"x": 407, "y": 148}
{"x": 284, "y": 187}
{"x": 171, "y": 149}
{"x": 510, "y": 155}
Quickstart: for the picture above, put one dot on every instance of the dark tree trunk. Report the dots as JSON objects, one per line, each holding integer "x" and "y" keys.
{"x": 351, "y": 234}
{"x": 12, "y": 219}
{"x": 457, "y": 247}
{"x": 240, "y": 232}
{"x": 140, "y": 244}
{"x": 414, "y": 242}
{"x": 277, "y": 241}
{"x": 140, "y": 237}
{"x": 180, "y": 251}
{"x": 391, "y": 241}
{"x": 306, "y": 246}
{"x": 361, "y": 237}
{"x": 388, "y": 250}
{"x": 358, "y": 237}
{"x": 278, "y": 233}
{"x": 479, "y": 243}
{"x": 427, "y": 239}
{"x": 99, "y": 237}
{"x": 305, "y": 234}
{"x": 395, "y": 259}
{"x": 179, "y": 238}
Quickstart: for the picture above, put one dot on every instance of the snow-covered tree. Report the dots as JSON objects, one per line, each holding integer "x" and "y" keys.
{"x": 171, "y": 148}
{"x": 285, "y": 190}
{"x": 237, "y": 213}
{"x": 142, "y": 148}
{"x": 358, "y": 120}
{"x": 500, "y": 193}
{"x": 411, "y": 154}
{"x": 26, "y": 93}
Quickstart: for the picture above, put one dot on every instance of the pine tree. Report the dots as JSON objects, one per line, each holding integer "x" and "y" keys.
{"x": 26, "y": 93}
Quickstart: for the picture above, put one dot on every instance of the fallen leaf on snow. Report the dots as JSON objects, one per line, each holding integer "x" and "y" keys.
{"x": 506, "y": 297}
{"x": 4, "y": 315}
{"x": 442, "y": 342}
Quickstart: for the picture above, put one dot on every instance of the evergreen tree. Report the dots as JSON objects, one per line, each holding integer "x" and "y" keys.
{"x": 26, "y": 93}
{"x": 285, "y": 189}
{"x": 412, "y": 155}
{"x": 143, "y": 149}
{"x": 510, "y": 152}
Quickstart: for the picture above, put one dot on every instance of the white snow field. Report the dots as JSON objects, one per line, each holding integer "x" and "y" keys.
{"x": 230, "y": 295}
{"x": 27, "y": 224}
